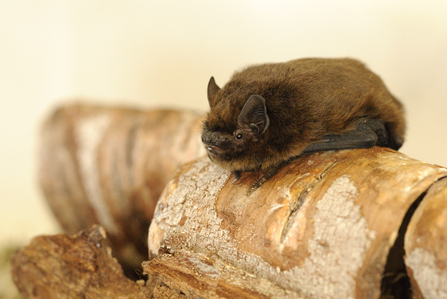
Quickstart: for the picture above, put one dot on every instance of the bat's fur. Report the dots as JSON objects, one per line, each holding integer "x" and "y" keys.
{"x": 305, "y": 100}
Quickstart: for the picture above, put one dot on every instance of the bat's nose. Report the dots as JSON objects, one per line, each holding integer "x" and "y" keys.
{"x": 206, "y": 137}
{"x": 214, "y": 142}
{"x": 211, "y": 138}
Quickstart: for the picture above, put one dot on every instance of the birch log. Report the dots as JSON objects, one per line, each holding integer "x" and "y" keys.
{"x": 328, "y": 225}
{"x": 425, "y": 245}
{"x": 108, "y": 166}
{"x": 321, "y": 227}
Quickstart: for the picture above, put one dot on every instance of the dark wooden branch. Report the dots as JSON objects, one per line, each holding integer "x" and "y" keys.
{"x": 78, "y": 266}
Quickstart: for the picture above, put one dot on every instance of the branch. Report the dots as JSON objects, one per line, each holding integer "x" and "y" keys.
{"x": 77, "y": 266}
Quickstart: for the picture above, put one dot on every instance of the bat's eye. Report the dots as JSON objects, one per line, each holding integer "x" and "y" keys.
{"x": 239, "y": 136}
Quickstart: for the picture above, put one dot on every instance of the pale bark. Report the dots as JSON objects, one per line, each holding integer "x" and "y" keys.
{"x": 322, "y": 227}
{"x": 109, "y": 165}
{"x": 425, "y": 245}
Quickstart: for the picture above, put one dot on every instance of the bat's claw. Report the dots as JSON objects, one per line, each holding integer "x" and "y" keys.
{"x": 237, "y": 175}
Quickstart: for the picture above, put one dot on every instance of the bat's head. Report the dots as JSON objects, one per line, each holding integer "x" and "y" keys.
{"x": 230, "y": 131}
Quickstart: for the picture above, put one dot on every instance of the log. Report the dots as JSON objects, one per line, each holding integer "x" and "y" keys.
{"x": 321, "y": 227}
{"x": 327, "y": 225}
{"x": 109, "y": 165}
{"x": 425, "y": 250}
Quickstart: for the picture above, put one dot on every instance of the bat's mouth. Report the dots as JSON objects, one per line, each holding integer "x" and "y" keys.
{"x": 216, "y": 144}
{"x": 214, "y": 150}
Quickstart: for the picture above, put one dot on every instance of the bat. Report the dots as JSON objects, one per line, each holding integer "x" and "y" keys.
{"x": 270, "y": 113}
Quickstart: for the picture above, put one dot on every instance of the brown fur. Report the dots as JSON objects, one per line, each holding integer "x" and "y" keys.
{"x": 305, "y": 99}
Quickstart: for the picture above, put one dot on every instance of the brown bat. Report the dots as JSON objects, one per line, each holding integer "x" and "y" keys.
{"x": 267, "y": 114}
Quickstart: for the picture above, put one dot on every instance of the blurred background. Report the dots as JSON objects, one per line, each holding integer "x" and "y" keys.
{"x": 149, "y": 54}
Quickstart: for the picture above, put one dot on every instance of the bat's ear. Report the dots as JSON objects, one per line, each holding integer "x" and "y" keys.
{"x": 213, "y": 89}
{"x": 254, "y": 115}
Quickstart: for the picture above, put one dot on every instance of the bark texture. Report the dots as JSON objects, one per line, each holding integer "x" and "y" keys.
{"x": 108, "y": 166}
{"x": 327, "y": 225}
{"x": 78, "y": 266}
{"x": 425, "y": 245}
{"x": 321, "y": 227}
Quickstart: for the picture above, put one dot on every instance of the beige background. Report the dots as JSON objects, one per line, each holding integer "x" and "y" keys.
{"x": 162, "y": 53}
